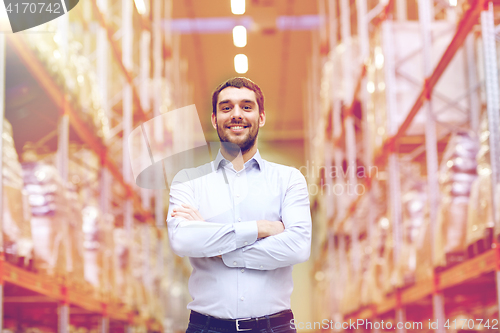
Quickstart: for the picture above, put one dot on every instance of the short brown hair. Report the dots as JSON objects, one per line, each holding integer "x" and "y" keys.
{"x": 238, "y": 82}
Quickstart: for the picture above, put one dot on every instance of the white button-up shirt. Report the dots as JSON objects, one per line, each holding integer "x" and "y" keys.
{"x": 254, "y": 276}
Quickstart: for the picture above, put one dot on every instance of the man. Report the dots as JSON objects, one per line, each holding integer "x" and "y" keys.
{"x": 243, "y": 225}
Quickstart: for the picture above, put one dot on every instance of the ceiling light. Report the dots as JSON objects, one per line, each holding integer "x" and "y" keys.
{"x": 370, "y": 86}
{"x": 238, "y": 7}
{"x": 239, "y": 36}
{"x": 241, "y": 63}
{"x": 141, "y": 6}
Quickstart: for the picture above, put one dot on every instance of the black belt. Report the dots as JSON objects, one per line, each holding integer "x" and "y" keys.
{"x": 244, "y": 324}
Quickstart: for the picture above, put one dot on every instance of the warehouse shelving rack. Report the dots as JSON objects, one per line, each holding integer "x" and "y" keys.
{"x": 36, "y": 287}
{"x": 483, "y": 269}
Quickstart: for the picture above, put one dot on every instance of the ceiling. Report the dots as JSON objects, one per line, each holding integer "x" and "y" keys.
{"x": 278, "y": 61}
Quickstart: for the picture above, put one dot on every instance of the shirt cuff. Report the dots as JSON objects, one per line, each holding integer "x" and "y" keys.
{"x": 246, "y": 233}
{"x": 234, "y": 258}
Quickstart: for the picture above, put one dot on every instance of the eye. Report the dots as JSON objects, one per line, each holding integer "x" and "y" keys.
{"x": 247, "y": 107}
{"x": 225, "y": 108}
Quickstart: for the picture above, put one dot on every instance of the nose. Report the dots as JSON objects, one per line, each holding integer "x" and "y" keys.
{"x": 237, "y": 113}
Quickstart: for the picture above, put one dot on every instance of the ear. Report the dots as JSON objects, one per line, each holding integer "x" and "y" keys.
{"x": 262, "y": 118}
{"x": 214, "y": 121}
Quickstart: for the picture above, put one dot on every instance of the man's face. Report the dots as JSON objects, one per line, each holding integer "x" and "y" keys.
{"x": 238, "y": 118}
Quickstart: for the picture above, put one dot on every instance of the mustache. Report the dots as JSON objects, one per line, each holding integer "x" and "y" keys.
{"x": 237, "y": 123}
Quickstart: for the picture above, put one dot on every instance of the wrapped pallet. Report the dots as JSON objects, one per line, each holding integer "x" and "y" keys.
{"x": 414, "y": 215}
{"x": 16, "y": 213}
{"x": 98, "y": 249}
{"x": 51, "y": 212}
{"x": 74, "y": 264}
{"x": 480, "y": 221}
{"x": 456, "y": 176}
{"x": 121, "y": 267}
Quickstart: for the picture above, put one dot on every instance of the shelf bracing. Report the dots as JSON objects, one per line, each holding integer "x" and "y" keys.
{"x": 63, "y": 318}
{"x": 144, "y": 67}
{"x": 2, "y": 114}
{"x": 157, "y": 101}
{"x": 493, "y": 101}
{"x": 102, "y": 66}
{"x": 463, "y": 28}
{"x": 350, "y": 134}
{"x": 425, "y": 18}
{"x": 127, "y": 102}
{"x": 394, "y": 182}
{"x": 118, "y": 56}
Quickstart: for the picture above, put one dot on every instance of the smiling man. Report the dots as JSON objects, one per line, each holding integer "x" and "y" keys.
{"x": 243, "y": 226}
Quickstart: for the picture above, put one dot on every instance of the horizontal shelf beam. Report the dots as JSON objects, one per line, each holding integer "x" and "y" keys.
{"x": 484, "y": 263}
{"x": 51, "y": 291}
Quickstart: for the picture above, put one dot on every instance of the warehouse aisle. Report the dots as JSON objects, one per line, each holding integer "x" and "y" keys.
{"x": 390, "y": 110}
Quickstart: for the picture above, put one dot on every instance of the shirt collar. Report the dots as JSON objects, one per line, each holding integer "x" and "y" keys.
{"x": 221, "y": 161}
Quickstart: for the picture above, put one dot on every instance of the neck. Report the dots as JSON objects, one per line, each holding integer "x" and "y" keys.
{"x": 236, "y": 157}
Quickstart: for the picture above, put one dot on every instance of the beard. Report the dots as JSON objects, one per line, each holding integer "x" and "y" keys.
{"x": 234, "y": 144}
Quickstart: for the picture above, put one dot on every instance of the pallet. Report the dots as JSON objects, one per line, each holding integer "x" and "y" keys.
{"x": 482, "y": 245}
{"x": 452, "y": 259}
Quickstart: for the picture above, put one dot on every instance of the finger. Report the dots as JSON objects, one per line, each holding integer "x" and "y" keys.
{"x": 187, "y": 211}
{"x": 183, "y": 215}
{"x": 194, "y": 211}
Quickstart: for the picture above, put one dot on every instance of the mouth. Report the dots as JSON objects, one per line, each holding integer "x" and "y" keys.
{"x": 237, "y": 128}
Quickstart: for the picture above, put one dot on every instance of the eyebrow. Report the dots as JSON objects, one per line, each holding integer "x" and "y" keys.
{"x": 227, "y": 101}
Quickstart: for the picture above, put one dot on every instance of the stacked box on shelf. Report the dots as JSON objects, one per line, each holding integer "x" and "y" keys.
{"x": 18, "y": 244}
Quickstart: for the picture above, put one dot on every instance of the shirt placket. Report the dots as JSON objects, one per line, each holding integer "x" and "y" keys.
{"x": 237, "y": 193}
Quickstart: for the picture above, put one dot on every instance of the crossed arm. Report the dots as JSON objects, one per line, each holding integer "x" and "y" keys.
{"x": 261, "y": 244}
{"x": 265, "y": 228}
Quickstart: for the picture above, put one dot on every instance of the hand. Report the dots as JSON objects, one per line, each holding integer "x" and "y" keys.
{"x": 269, "y": 228}
{"x": 188, "y": 212}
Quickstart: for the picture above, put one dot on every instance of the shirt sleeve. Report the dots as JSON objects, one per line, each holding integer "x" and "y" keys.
{"x": 200, "y": 238}
{"x": 290, "y": 247}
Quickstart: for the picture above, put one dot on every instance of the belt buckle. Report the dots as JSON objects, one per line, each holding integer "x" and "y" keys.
{"x": 238, "y": 325}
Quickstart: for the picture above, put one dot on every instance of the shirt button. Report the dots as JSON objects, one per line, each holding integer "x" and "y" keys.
{"x": 239, "y": 220}
{"x": 242, "y": 298}
{"x": 220, "y": 251}
{"x": 235, "y": 263}
{"x": 237, "y": 195}
{"x": 242, "y": 270}
{"x": 237, "y": 175}
{"x": 246, "y": 243}
{"x": 261, "y": 266}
